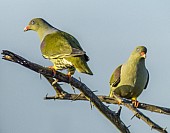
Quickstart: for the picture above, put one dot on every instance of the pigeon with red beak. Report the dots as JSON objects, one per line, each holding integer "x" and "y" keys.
{"x": 61, "y": 48}
{"x": 131, "y": 78}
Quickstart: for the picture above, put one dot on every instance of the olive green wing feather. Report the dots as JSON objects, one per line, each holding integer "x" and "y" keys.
{"x": 73, "y": 43}
{"x": 54, "y": 45}
{"x": 115, "y": 78}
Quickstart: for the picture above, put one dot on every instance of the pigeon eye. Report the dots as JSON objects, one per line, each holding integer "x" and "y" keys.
{"x": 32, "y": 22}
{"x": 137, "y": 49}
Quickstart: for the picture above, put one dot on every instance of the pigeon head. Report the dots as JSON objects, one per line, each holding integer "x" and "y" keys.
{"x": 37, "y": 24}
{"x": 139, "y": 52}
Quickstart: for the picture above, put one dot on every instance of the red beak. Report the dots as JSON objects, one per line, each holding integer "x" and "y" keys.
{"x": 26, "y": 28}
{"x": 143, "y": 54}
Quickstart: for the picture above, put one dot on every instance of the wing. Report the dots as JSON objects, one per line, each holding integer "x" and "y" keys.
{"x": 115, "y": 78}
{"x": 72, "y": 40}
{"x": 74, "y": 43}
{"x": 147, "y": 80}
{"x": 54, "y": 45}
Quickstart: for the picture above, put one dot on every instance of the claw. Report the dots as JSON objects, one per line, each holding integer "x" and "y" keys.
{"x": 69, "y": 80}
{"x": 135, "y": 103}
{"x": 69, "y": 76}
{"x": 117, "y": 97}
{"x": 53, "y": 69}
{"x": 119, "y": 102}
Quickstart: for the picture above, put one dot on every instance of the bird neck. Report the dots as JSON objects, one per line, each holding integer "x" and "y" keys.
{"x": 47, "y": 29}
{"x": 136, "y": 61}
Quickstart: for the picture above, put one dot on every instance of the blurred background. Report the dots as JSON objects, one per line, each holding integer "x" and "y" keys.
{"x": 108, "y": 31}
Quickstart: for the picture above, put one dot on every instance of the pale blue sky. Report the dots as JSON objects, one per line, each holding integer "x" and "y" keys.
{"x": 108, "y": 31}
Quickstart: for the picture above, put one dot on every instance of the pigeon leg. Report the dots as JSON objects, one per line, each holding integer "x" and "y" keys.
{"x": 53, "y": 68}
{"x": 69, "y": 76}
{"x": 135, "y": 102}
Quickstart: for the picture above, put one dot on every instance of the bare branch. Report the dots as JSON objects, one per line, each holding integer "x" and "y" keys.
{"x": 88, "y": 95}
{"x": 124, "y": 102}
{"x": 59, "y": 91}
{"x": 108, "y": 100}
{"x": 140, "y": 115}
{"x": 109, "y": 114}
{"x": 154, "y": 108}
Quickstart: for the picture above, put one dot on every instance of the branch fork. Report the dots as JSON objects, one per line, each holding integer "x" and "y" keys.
{"x": 88, "y": 95}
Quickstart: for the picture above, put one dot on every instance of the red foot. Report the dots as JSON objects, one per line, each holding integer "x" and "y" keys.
{"x": 53, "y": 69}
{"x": 69, "y": 76}
{"x": 135, "y": 103}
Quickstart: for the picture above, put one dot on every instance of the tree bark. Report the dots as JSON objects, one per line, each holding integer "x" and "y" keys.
{"x": 87, "y": 94}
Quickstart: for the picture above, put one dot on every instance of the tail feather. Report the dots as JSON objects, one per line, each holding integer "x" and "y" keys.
{"x": 80, "y": 64}
{"x": 83, "y": 67}
{"x": 85, "y": 70}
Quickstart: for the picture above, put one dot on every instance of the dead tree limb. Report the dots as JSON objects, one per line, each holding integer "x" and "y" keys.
{"x": 108, "y": 100}
{"x": 126, "y": 103}
{"x": 87, "y": 94}
{"x": 109, "y": 114}
{"x": 140, "y": 115}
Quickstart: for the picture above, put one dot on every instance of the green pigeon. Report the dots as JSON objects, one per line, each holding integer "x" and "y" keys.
{"x": 61, "y": 48}
{"x": 129, "y": 79}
